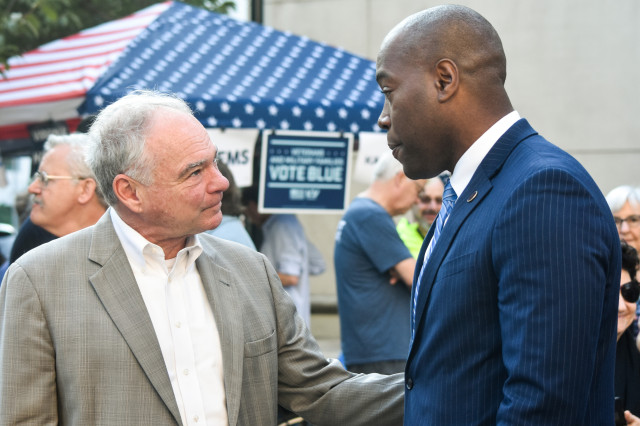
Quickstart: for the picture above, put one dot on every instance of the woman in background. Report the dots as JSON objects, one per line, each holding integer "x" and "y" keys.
{"x": 627, "y": 375}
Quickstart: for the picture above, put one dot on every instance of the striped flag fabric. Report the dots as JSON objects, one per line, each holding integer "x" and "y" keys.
{"x": 49, "y": 83}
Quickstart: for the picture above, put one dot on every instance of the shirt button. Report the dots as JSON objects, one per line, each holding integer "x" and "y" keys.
{"x": 185, "y": 372}
{"x": 409, "y": 384}
{"x": 178, "y": 324}
{"x": 196, "y": 418}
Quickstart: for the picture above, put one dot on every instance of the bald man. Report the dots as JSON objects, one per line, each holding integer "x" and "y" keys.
{"x": 515, "y": 293}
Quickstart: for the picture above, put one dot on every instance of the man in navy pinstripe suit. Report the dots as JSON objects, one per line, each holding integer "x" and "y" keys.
{"x": 516, "y": 309}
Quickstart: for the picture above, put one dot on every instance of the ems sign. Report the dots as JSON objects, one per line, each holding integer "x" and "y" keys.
{"x": 305, "y": 172}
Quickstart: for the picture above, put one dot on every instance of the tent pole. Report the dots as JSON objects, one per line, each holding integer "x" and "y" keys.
{"x": 256, "y": 11}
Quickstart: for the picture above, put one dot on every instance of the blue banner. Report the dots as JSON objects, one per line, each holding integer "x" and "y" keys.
{"x": 304, "y": 173}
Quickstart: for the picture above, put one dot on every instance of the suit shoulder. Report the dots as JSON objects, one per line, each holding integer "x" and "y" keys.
{"x": 76, "y": 242}
{"x": 225, "y": 249}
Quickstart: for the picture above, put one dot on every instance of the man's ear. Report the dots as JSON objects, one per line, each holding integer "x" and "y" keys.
{"x": 87, "y": 190}
{"x": 127, "y": 191}
{"x": 447, "y": 79}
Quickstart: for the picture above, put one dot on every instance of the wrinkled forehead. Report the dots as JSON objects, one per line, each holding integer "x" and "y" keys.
{"x": 56, "y": 157}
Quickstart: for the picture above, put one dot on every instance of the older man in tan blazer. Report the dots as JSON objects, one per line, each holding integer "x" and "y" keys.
{"x": 142, "y": 320}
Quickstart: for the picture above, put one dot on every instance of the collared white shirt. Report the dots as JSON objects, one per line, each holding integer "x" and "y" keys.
{"x": 471, "y": 159}
{"x": 183, "y": 321}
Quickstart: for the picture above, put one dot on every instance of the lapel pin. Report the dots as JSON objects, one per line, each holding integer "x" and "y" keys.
{"x": 472, "y": 196}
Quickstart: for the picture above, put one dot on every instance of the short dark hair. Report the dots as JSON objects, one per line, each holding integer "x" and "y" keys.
{"x": 231, "y": 205}
{"x": 250, "y": 194}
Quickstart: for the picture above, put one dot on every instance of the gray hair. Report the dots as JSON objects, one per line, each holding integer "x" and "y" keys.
{"x": 119, "y": 134}
{"x": 620, "y": 195}
{"x": 78, "y": 144}
{"x": 386, "y": 167}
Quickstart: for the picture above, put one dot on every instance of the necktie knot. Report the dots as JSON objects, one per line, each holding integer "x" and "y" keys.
{"x": 449, "y": 194}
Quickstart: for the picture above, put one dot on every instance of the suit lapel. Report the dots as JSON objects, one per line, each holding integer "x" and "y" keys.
{"x": 220, "y": 288}
{"x": 475, "y": 192}
{"x": 118, "y": 291}
{"x": 460, "y": 212}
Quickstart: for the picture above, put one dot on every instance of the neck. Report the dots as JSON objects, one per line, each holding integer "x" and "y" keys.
{"x": 377, "y": 195}
{"x": 81, "y": 218}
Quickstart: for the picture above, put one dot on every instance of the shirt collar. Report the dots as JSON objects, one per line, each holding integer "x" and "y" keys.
{"x": 140, "y": 251}
{"x": 471, "y": 159}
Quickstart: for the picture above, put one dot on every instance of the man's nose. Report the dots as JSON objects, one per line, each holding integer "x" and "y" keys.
{"x": 217, "y": 181}
{"x": 34, "y": 187}
{"x": 384, "y": 121}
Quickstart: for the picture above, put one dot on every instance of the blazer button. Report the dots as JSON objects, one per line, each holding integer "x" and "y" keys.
{"x": 409, "y": 383}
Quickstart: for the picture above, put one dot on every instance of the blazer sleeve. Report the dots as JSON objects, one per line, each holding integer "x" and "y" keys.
{"x": 321, "y": 390}
{"x": 27, "y": 356}
{"x": 553, "y": 254}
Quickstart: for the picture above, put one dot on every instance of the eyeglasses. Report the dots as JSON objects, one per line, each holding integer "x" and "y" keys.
{"x": 45, "y": 178}
{"x": 630, "y": 291}
{"x": 426, "y": 199}
{"x": 633, "y": 221}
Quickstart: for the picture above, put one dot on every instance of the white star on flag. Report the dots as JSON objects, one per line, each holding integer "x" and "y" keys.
{"x": 225, "y": 107}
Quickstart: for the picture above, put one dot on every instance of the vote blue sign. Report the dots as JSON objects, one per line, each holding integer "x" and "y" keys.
{"x": 305, "y": 172}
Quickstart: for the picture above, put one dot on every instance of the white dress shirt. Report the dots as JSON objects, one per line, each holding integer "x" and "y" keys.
{"x": 184, "y": 324}
{"x": 471, "y": 159}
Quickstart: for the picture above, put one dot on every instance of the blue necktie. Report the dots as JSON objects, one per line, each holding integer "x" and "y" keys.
{"x": 448, "y": 200}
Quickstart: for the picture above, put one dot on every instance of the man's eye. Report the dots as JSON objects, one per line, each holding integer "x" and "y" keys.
{"x": 634, "y": 219}
{"x": 196, "y": 172}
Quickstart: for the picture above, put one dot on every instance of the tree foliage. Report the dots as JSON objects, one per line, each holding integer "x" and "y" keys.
{"x": 26, "y": 24}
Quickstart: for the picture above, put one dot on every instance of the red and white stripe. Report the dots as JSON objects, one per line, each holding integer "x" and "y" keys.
{"x": 58, "y": 74}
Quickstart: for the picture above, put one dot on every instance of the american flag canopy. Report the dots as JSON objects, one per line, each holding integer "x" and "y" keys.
{"x": 243, "y": 75}
{"x": 49, "y": 83}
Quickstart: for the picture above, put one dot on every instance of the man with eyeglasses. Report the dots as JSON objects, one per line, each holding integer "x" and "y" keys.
{"x": 425, "y": 210}
{"x": 65, "y": 195}
{"x": 374, "y": 272}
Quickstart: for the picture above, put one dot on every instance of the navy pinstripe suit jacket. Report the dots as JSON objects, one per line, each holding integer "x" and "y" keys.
{"x": 517, "y": 311}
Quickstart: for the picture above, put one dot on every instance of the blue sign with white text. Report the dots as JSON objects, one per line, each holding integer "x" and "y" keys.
{"x": 303, "y": 173}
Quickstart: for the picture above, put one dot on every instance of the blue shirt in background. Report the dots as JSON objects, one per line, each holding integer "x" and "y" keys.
{"x": 374, "y": 315}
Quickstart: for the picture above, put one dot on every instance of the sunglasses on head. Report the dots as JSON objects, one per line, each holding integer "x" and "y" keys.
{"x": 630, "y": 291}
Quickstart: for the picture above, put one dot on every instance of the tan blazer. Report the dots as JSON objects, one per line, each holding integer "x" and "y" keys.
{"x": 77, "y": 346}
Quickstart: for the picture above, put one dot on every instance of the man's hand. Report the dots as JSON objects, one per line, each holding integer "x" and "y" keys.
{"x": 288, "y": 280}
{"x": 631, "y": 419}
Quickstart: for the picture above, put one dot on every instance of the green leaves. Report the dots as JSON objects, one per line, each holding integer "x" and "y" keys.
{"x": 26, "y": 24}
